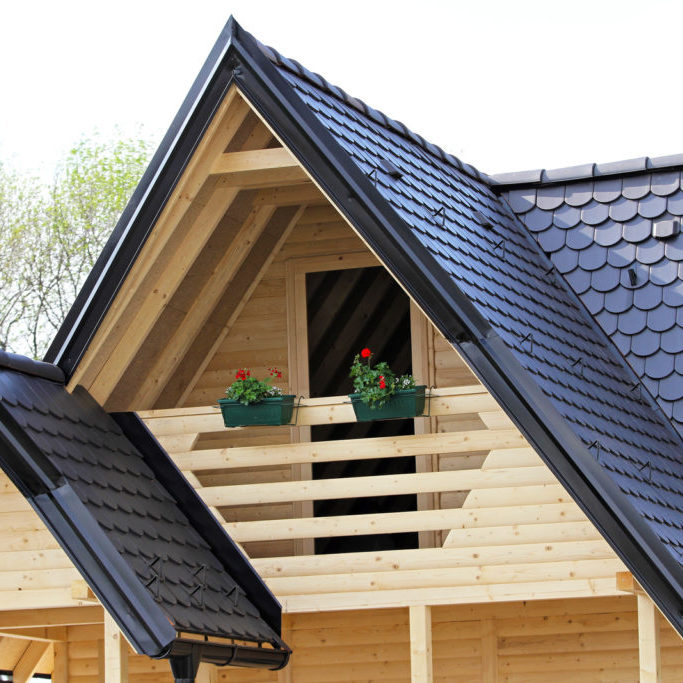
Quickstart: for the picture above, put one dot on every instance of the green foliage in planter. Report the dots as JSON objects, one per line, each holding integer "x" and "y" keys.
{"x": 377, "y": 384}
{"x": 247, "y": 389}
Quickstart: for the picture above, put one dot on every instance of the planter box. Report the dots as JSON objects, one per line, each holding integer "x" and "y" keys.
{"x": 404, "y": 403}
{"x": 268, "y": 411}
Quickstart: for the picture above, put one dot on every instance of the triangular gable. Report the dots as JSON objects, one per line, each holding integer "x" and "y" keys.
{"x": 463, "y": 257}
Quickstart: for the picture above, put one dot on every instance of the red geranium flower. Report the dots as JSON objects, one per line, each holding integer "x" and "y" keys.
{"x": 366, "y": 353}
{"x": 382, "y": 383}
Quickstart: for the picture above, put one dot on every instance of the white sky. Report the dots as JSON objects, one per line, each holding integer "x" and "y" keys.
{"x": 504, "y": 85}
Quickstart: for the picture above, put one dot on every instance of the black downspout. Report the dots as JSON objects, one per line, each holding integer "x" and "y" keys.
{"x": 185, "y": 666}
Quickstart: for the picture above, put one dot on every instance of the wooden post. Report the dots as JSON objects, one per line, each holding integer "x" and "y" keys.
{"x": 489, "y": 651}
{"x": 207, "y": 673}
{"x": 648, "y": 640}
{"x": 115, "y": 653}
{"x": 29, "y": 661}
{"x": 60, "y": 673}
{"x": 421, "y": 644}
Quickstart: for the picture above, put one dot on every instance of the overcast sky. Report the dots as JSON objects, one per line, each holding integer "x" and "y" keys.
{"x": 503, "y": 85}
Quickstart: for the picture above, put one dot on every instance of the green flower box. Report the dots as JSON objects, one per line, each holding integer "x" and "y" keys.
{"x": 404, "y": 403}
{"x": 268, "y": 411}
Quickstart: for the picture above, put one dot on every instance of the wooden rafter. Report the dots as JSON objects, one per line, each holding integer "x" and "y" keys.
{"x": 259, "y": 168}
{"x": 29, "y": 661}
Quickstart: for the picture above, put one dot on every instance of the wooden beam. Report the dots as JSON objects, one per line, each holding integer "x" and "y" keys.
{"x": 450, "y": 595}
{"x": 431, "y": 558}
{"x": 207, "y": 673}
{"x": 649, "y": 654}
{"x": 383, "y": 485}
{"x": 465, "y": 535}
{"x": 259, "y": 168}
{"x": 312, "y": 411}
{"x": 28, "y": 662}
{"x": 60, "y": 673}
{"x": 62, "y": 616}
{"x": 81, "y": 591}
{"x": 489, "y": 651}
{"x": 421, "y": 644}
{"x": 358, "y": 449}
{"x": 115, "y": 652}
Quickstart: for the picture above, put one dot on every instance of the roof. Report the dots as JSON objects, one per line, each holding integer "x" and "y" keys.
{"x": 470, "y": 263}
{"x": 150, "y": 550}
{"x": 616, "y": 240}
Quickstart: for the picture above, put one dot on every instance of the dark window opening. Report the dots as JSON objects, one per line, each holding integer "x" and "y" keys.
{"x": 347, "y": 311}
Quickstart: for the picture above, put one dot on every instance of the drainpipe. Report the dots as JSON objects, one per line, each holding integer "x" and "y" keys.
{"x": 185, "y": 666}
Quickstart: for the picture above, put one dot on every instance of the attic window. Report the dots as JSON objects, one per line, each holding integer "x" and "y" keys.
{"x": 390, "y": 168}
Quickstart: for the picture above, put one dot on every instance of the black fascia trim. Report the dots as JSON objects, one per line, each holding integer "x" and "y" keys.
{"x": 456, "y": 317}
{"x": 202, "y": 519}
{"x": 114, "y": 583}
{"x": 144, "y": 207}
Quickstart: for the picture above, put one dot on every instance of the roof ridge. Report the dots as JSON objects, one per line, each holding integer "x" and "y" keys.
{"x": 396, "y": 126}
{"x": 542, "y": 176}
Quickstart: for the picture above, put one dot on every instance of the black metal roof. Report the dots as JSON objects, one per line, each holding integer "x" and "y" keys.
{"x": 617, "y": 241}
{"x": 470, "y": 263}
{"x": 150, "y": 550}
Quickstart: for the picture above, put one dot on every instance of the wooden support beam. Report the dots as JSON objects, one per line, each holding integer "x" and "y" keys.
{"x": 358, "y": 449}
{"x": 115, "y": 652}
{"x": 259, "y": 168}
{"x": 81, "y": 591}
{"x": 29, "y": 661}
{"x": 421, "y": 644}
{"x": 61, "y": 616}
{"x": 312, "y": 411}
{"x": 60, "y": 673}
{"x": 489, "y": 651}
{"x": 383, "y": 485}
{"x": 207, "y": 673}
{"x": 649, "y": 655}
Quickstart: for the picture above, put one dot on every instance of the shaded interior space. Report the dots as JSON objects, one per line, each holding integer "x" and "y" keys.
{"x": 349, "y": 310}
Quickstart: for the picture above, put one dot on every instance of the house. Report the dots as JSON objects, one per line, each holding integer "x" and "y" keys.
{"x": 528, "y": 527}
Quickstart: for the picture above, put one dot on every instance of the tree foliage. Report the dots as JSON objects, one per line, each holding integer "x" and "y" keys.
{"x": 51, "y": 235}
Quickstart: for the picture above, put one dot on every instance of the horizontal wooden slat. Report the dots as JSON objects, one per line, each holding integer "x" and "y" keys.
{"x": 358, "y": 449}
{"x": 312, "y": 411}
{"x": 527, "y": 529}
{"x": 446, "y": 577}
{"x": 452, "y": 595}
{"x": 432, "y": 558}
{"x": 385, "y": 485}
{"x": 259, "y": 168}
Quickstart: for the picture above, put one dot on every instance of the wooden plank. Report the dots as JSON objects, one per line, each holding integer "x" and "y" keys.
{"x": 431, "y": 558}
{"x": 65, "y": 616}
{"x": 649, "y": 654}
{"x": 451, "y": 595}
{"x": 358, "y": 449}
{"x": 327, "y": 410}
{"x": 483, "y": 520}
{"x": 115, "y": 652}
{"x": 29, "y": 661}
{"x": 489, "y": 651}
{"x": 259, "y": 168}
{"x": 447, "y": 577}
{"x": 207, "y": 673}
{"x": 383, "y": 485}
{"x": 421, "y": 644}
